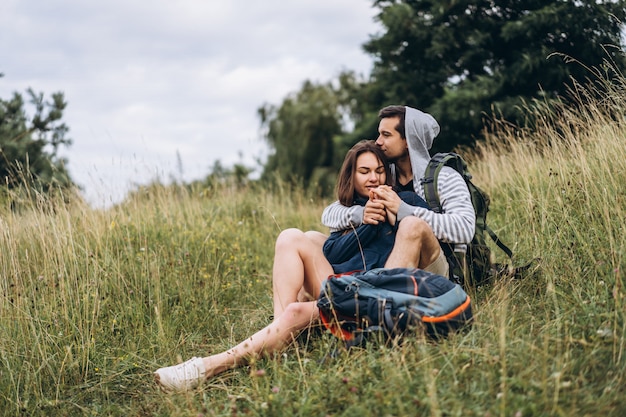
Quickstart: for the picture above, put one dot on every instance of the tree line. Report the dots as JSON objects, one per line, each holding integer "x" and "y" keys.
{"x": 465, "y": 62}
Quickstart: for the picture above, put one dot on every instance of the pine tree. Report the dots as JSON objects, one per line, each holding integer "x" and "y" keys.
{"x": 29, "y": 145}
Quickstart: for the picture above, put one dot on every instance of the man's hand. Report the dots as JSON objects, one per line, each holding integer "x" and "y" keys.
{"x": 374, "y": 211}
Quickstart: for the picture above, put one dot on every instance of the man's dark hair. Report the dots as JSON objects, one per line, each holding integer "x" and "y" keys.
{"x": 395, "y": 111}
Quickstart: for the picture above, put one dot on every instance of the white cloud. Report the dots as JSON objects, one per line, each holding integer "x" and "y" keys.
{"x": 146, "y": 80}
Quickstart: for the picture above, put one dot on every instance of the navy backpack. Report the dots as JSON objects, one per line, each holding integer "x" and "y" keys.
{"x": 392, "y": 301}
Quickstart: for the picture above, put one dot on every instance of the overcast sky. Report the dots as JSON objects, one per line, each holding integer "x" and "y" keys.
{"x": 146, "y": 80}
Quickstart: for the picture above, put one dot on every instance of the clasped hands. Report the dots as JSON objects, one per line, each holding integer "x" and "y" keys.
{"x": 383, "y": 205}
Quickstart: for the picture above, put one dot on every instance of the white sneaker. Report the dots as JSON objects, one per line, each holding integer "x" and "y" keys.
{"x": 182, "y": 377}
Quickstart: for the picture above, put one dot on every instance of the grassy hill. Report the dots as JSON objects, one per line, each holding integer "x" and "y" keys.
{"x": 91, "y": 302}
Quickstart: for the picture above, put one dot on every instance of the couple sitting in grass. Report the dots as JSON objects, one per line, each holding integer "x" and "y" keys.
{"x": 379, "y": 220}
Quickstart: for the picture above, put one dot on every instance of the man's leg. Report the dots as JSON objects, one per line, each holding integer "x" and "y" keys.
{"x": 415, "y": 247}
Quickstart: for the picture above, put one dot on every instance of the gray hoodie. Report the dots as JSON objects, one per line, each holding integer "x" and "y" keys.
{"x": 420, "y": 130}
{"x": 457, "y": 222}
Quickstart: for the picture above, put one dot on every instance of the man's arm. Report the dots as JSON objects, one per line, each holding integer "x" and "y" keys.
{"x": 339, "y": 217}
{"x": 458, "y": 221}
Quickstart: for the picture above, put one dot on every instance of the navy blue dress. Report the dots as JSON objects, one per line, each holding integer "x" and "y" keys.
{"x": 367, "y": 246}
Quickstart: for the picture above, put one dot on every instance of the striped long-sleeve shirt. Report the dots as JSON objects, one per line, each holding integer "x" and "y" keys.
{"x": 456, "y": 224}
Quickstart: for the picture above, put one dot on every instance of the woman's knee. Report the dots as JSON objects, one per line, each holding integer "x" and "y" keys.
{"x": 290, "y": 238}
{"x": 317, "y": 238}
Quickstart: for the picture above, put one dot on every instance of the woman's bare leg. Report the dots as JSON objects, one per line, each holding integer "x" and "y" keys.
{"x": 299, "y": 268}
{"x": 280, "y": 332}
{"x": 273, "y": 337}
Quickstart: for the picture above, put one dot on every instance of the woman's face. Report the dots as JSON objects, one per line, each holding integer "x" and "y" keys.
{"x": 369, "y": 173}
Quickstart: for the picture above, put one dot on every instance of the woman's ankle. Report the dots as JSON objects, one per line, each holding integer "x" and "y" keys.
{"x": 216, "y": 364}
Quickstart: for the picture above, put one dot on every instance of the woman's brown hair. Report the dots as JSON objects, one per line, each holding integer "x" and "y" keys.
{"x": 345, "y": 179}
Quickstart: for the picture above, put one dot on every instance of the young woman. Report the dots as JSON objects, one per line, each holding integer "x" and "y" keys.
{"x": 366, "y": 246}
{"x": 299, "y": 269}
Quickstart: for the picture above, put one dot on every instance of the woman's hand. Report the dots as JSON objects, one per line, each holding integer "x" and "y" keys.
{"x": 374, "y": 211}
{"x": 390, "y": 200}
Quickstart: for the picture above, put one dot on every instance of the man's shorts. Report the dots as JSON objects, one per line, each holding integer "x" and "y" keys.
{"x": 440, "y": 266}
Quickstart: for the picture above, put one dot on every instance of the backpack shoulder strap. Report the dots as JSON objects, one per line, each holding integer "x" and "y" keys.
{"x": 498, "y": 242}
{"x": 429, "y": 182}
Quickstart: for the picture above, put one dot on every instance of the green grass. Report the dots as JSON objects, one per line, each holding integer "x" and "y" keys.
{"x": 93, "y": 301}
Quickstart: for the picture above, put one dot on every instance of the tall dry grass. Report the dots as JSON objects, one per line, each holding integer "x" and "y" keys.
{"x": 92, "y": 301}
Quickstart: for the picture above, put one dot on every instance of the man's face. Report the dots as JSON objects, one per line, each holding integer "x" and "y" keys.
{"x": 389, "y": 139}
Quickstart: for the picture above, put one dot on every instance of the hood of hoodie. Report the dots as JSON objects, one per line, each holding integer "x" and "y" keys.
{"x": 420, "y": 129}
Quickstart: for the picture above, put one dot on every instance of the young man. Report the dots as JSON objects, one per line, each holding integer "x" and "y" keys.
{"x": 405, "y": 135}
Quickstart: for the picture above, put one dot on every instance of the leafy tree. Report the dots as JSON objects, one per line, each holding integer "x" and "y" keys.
{"x": 29, "y": 146}
{"x": 300, "y": 133}
{"x": 461, "y": 60}
{"x": 360, "y": 117}
{"x": 317, "y": 124}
